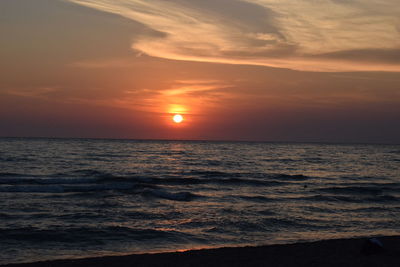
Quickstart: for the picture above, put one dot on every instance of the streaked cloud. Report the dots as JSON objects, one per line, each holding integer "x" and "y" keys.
{"x": 32, "y": 92}
{"x": 175, "y": 98}
{"x": 186, "y": 87}
{"x": 319, "y": 35}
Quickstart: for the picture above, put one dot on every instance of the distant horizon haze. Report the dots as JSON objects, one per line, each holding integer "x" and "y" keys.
{"x": 199, "y": 140}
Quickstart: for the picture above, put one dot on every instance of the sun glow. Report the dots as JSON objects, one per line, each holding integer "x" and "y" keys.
{"x": 177, "y": 118}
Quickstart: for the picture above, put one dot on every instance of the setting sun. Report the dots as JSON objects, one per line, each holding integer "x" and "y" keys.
{"x": 177, "y": 118}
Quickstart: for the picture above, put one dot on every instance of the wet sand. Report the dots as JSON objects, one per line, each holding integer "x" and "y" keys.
{"x": 340, "y": 252}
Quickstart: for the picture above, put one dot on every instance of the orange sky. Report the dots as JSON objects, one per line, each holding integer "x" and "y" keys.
{"x": 237, "y": 70}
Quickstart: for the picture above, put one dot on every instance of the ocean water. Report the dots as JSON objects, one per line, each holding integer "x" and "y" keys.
{"x": 73, "y": 198}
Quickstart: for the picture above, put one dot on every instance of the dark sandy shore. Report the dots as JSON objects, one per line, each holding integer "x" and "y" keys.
{"x": 340, "y": 252}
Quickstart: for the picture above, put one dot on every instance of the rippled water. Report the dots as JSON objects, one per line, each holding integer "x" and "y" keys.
{"x": 76, "y": 198}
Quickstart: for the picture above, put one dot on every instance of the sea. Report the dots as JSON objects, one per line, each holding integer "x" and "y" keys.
{"x": 76, "y": 198}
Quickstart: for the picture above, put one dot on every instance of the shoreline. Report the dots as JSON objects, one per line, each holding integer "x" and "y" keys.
{"x": 334, "y": 252}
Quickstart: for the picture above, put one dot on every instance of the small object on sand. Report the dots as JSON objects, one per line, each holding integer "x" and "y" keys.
{"x": 372, "y": 246}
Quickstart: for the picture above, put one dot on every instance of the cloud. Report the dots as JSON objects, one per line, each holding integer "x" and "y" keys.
{"x": 99, "y": 64}
{"x": 303, "y": 35}
{"x": 365, "y": 55}
{"x": 195, "y": 87}
{"x": 34, "y": 92}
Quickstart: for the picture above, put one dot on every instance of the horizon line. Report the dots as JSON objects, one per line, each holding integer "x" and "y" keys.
{"x": 202, "y": 140}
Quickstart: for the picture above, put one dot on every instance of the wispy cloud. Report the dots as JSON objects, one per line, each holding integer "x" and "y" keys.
{"x": 303, "y": 35}
{"x": 34, "y": 92}
{"x": 190, "y": 87}
{"x": 99, "y": 64}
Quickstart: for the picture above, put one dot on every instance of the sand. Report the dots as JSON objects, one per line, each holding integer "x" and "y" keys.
{"x": 340, "y": 252}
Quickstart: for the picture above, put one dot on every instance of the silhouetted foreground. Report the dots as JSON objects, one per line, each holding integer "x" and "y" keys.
{"x": 340, "y": 252}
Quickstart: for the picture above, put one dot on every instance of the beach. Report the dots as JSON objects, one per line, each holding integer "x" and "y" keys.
{"x": 338, "y": 252}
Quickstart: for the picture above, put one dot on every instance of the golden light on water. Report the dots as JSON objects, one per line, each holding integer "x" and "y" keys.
{"x": 177, "y": 118}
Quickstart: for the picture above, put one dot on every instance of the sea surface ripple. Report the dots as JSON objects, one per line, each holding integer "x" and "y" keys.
{"x": 72, "y": 198}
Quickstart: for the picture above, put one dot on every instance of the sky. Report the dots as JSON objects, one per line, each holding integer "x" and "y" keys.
{"x": 256, "y": 70}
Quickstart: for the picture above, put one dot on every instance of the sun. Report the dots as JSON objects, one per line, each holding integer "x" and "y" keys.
{"x": 177, "y": 118}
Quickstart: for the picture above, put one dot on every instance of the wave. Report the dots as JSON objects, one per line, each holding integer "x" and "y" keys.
{"x": 351, "y": 199}
{"x": 13, "y": 174}
{"x": 90, "y": 173}
{"x": 383, "y": 198}
{"x": 233, "y": 179}
{"x": 184, "y": 180}
{"x": 47, "y": 181}
{"x": 210, "y": 173}
{"x": 315, "y": 160}
{"x": 379, "y": 209}
{"x": 257, "y": 198}
{"x": 107, "y": 155}
{"x": 32, "y": 189}
{"x": 179, "y": 196}
{"x": 351, "y": 190}
{"x": 216, "y": 181}
{"x": 94, "y": 180}
{"x": 85, "y": 173}
{"x": 298, "y": 223}
{"x": 65, "y": 188}
{"x": 361, "y": 188}
{"x": 58, "y": 186}
{"x": 67, "y": 181}
{"x": 16, "y": 159}
{"x": 87, "y": 234}
{"x": 191, "y": 177}
{"x": 291, "y": 177}
{"x": 248, "y": 182}
{"x": 216, "y": 174}
{"x": 282, "y": 160}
